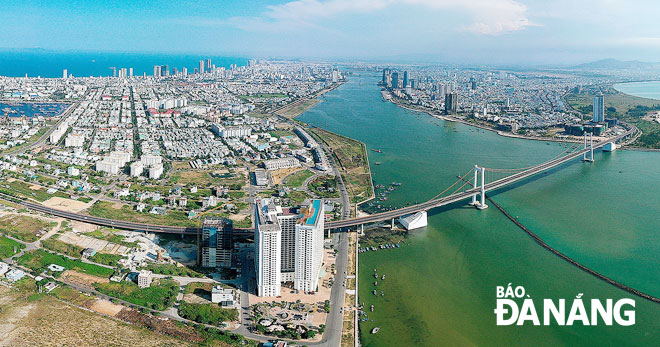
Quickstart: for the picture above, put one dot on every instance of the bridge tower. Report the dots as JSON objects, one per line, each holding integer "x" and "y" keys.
{"x": 591, "y": 148}
{"x": 482, "y": 204}
{"x": 474, "y": 186}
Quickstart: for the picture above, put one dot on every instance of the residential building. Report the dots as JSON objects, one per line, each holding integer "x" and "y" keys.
{"x": 223, "y": 296}
{"x": 281, "y": 163}
{"x": 144, "y": 279}
{"x": 267, "y": 244}
{"x": 216, "y": 242}
{"x": 599, "y": 108}
{"x": 309, "y": 247}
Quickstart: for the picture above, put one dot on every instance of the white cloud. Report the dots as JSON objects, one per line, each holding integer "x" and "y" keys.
{"x": 489, "y": 17}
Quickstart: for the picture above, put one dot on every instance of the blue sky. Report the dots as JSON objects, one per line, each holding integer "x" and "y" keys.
{"x": 452, "y": 31}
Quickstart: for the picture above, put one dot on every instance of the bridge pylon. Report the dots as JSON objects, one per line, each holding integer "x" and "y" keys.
{"x": 474, "y": 186}
{"x": 482, "y": 204}
{"x": 591, "y": 147}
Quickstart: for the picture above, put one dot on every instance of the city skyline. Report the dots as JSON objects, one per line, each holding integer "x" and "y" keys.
{"x": 448, "y": 31}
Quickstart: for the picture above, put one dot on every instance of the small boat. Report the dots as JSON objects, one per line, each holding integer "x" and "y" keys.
{"x": 377, "y": 163}
{"x": 376, "y": 283}
{"x": 376, "y": 276}
{"x": 377, "y": 150}
{"x": 372, "y": 308}
{"x": 375, "y": 292}
{"x": 375, "y": 330}
{"x": 382, "y": 278}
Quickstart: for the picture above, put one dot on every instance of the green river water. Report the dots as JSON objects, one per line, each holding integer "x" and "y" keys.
{"x": 440, "y": 286}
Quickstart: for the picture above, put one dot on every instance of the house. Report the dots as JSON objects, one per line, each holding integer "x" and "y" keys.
{"x": 88, "y": 252}
{"x": 50, "y": 286}
{"x": 158, "y": 210}
{"x": 55, "y": 267}
{"x": 223, "y": 296}
{"x": 144, "y": 279}
{"x": 15, "y": 275}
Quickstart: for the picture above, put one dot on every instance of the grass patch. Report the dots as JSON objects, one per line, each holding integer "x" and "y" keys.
{"x": 62, "y": 247}
{"x": 173, "y": 270}
{"x": 24, "y": 228}
{"x": 38, "y": 260}
{"x": 298, "y": 178}
{"x": 7, "y": 247}
{"x": 211, "y": 314}
{"x": 106, "y": 259}
{"x": 110, "y": 236}
{"x": 325, "y": 187}
{"x": 22, "y": 189}
{"x": 160, "y": 296}
{"x": 297, "y": 108}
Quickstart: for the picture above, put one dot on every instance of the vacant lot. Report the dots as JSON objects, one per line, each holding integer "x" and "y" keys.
{"x": 297, "y": 108}
{"x": 159, "y": 296}
{"x": 7, "y": 247}
{"x": 351, "y": 156}
{"x": 50, "y": 322}
{"x": 297, "y": 179}
{"x": 39, "y": 260}
{"x": 24, "y": 228}
{"x": 125, "y": 212}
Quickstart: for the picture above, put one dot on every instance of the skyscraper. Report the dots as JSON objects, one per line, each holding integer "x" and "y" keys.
{"x": 395, "y": 80}
{"x": 451, "y": 103}
{"x": 405, "y": 79}
{"x": 201, "y": 67}
{"x": 209, "y": 65}
{"x": 65, "y": 73}
{"x": 156, "y": 70}
{"x": 267, "y": 245}
{"x": 309, "y": 247}
{"x": 216, "y": 242}
{"x": 385, "y": 71}
{"x": 130, "y": 72}
{"x": 599, "y": 108}
{"x": 184, "y": 71}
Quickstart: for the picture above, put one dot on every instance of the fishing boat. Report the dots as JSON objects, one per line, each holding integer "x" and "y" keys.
{"x": 377, "y": 150}
{"x": 375, "y": 292}
{"x": 382, "y": 278}
{"x": 372, "y": 308}
{"x": 375, "y": 330}
{"x": 377, "y": 163}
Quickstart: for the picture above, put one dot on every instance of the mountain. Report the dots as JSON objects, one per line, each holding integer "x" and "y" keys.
{"x": 612, "y": 64}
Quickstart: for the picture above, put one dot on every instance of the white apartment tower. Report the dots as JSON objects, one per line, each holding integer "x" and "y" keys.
{"x": 599, "y": 108}
{"x": 267, "y": 244}
{"x": 309, "y": 247}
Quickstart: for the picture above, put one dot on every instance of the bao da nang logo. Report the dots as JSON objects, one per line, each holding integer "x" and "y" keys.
{"x": 515, "y": 307}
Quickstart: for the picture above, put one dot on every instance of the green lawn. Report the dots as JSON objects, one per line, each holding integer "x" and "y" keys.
{"x": 161, "y": 295}
{"x": 298, "y": 178}
{"x": 7, "y": 247}
{"x": 39, "y": 260}
{"x": 211, "y": 314}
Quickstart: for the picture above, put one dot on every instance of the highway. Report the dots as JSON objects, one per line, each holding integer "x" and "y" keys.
{"x": 378, "y": 217}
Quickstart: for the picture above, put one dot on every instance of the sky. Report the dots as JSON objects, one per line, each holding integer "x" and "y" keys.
{"x": 447, "y": 31}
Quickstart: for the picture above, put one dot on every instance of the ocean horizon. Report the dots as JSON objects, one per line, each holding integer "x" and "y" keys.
{"x": 50, "y": 64}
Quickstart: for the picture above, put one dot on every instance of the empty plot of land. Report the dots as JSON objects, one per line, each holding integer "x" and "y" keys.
{"x": 66, "y": 204}
{"x": 96, "y": 244}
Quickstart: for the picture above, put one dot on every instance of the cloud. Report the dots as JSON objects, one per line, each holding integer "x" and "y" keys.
{"x": 490, "y": 17}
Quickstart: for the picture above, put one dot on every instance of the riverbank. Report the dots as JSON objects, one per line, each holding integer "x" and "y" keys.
{"x": 298, "y": 107}
{"x": 449, "y": 118}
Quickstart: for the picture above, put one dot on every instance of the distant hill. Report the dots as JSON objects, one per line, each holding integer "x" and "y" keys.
{"x": 606, "y": 64}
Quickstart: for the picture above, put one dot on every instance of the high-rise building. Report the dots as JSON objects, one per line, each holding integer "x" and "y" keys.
{"x": 114, "y": 71}
{"x": 156, "y": 70}
{"x": 309, "y": 247}
{"x": 288, "y": 246}
{"x": 130, "y": 72}
{"x": 405, "y": 79}
{"x": 473, "y": 83}
{"x": 208, "y": 65}
{"x": 165, "y": 70}
{"x": 175, "y": 71}
{"x": 201, "y": 67}
{"x": 385, "y": 73}
{"x": 184, "y": 71}
{"x": 599, "y": 108}
{"x": 65, "y": 73}
{"x": 267, "y": 245}
{"x": 216, "y": 242}
{"x": 451, "y": 103}
{"x": 395, "y": 80}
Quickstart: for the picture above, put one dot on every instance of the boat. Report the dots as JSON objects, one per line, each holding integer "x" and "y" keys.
{"x": 375, "y": 330}
{"x": 372, "y": 308}
{"x": 382, "y": 278}
{"x": 376, "y": 276}
{"x": 377, "y": 150}
{"x": 376, "y": 283}
{"x": 377, "y": 163}
{"x": 375, "y": 292}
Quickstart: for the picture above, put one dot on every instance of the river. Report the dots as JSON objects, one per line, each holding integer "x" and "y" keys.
{"x": 441, "y": 285}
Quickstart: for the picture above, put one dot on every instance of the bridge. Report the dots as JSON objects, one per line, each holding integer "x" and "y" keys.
{"x": 439, "y": 200}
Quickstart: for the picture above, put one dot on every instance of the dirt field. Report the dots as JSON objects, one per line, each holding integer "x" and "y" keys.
{"x": 90, "y": 242}
{"x": 50, "y": 322}
{"x": 106, "y": 307}
{"x": 66, "y": 204}
{"x": 83, "y": 279}
{"x": 278, "y": 175}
